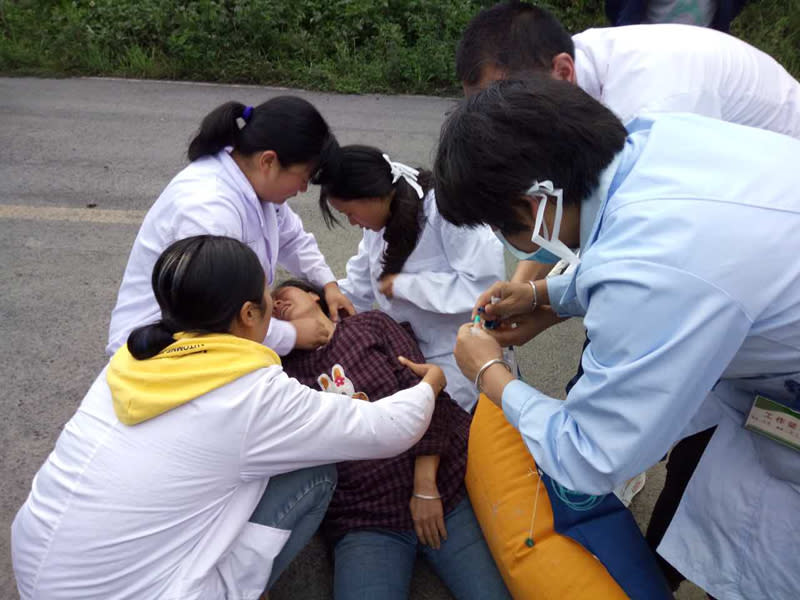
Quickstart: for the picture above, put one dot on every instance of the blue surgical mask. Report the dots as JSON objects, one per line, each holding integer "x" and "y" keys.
{"x": 551, "y": 249}
{"x": 541, "y": 255}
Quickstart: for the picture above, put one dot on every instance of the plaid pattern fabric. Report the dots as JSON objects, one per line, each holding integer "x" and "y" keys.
{"x": 376, "y": 493}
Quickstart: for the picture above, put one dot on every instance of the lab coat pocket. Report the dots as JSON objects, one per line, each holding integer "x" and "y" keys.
{"x": 247, "y": 566}
{"x": 781, "y": 462}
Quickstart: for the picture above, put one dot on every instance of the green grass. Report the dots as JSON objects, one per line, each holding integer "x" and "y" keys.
{"x": 359, "y": 46}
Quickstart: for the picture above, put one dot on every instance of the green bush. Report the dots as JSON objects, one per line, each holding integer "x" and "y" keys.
{"x": 398, "y": 46}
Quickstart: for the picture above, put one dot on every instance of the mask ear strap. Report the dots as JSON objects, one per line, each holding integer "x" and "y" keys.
{"x": 559, "y": 213}
{"x": 539, "y": 216}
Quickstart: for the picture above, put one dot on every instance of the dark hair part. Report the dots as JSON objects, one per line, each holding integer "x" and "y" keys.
{"x": 496, "y": 143}
{"x": 306, "y": 286}
{"x": 361, "y": 172}
{"x": 515, "y": 36}
{"x": 200, "y": 284}
{"x": 287, "y": 125}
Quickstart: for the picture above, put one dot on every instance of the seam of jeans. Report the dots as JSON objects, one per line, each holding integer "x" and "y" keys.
{"x": 302, "y": 494}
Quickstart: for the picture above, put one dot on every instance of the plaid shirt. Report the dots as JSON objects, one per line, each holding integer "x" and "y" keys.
{"x": 376, "y": 493}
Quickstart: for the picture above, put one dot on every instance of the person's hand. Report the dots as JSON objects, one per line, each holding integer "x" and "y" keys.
{"x": 386, "y": 285}
{"x": 337, "y": 301}
{"x": 474, "y": 348}
{"x": 311, "y": 334}
{"x": 431, "y": 374}
{"x": 428, "y": 517}
{"x": 519, "y": 330}
{"x": 515, "y": 299}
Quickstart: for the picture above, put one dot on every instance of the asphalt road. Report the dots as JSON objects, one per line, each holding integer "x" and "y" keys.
{"x": 81, "y": 160}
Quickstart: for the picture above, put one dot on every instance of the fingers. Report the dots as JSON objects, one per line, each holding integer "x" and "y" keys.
{"x": 333, "y": 308}
{"x": 486, "y": 297}
{"x": 348, "y": 307}
{"x": 432, "y": 534}
{"x": 418, "y": 369}
{"x": 440, "y": 527}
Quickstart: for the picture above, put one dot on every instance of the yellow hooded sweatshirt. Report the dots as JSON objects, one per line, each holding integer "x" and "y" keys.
{"x": 188, "y": 368}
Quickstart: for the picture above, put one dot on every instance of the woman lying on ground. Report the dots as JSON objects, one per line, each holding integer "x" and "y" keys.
{"x": 383, "y": 512}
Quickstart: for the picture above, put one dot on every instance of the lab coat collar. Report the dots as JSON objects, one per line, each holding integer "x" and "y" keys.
{"x": 593, "y": 207}
{"x": 586, "y": 76}
{"x": 593, "y": 204}
{"x": 235, "y": 173}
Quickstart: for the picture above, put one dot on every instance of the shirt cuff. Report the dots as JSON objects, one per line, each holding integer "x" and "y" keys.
{"x": 321, "y": 276}
{"x": 518, "y": 397}
{"x": 401, "y": 287}
{"x": 515, "y": 395}
{"x": 557, "y": 287}
{"x": 281, "y": 337}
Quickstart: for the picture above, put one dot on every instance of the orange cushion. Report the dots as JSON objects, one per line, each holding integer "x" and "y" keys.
{"x": 501, "y": 480}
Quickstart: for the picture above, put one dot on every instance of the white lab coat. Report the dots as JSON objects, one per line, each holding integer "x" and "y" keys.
{"x": 436, "y": 290}
{"x": 160, "y": 510}
{"x": 212, "y": 196}
{"x": 641, "y": 69}
{"x": 689, "y": 286}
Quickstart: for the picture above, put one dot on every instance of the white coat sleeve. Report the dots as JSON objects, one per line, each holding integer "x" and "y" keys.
{"x": 298, "y": 251}
{"x": 476, "y": 261}
{"x": 281, "y": 337}
{"x": 357, "y": 284}
{"x": 659, "y": 340}
{"x": 213, "y": 215}
{"x": 294, "y": 426}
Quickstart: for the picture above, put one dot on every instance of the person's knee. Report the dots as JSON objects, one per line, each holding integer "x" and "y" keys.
{"x": 324, "y": 479}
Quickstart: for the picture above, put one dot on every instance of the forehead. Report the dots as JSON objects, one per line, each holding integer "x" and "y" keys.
{"x": 351, "y": 203}
{"x": 287, "y": 291}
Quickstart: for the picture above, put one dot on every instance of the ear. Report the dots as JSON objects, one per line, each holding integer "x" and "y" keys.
{"x": 529, "y": 213}
{"x": 337, "y": 371}
{"x": 563, "y": 68}
{"x": 267, "y": 160}
{"x": 324, "y": 382}
{"x": 249, "y": 314}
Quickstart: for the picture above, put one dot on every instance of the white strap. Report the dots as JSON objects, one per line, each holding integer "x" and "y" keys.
{"x": 409, "y": 174}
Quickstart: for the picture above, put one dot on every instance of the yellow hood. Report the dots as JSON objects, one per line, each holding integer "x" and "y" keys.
{"x": 190, "y": 367}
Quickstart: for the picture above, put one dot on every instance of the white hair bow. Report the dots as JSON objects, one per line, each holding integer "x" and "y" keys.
{"x": 400, "y": 170}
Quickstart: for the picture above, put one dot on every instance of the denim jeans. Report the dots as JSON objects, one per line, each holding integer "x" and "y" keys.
{"x": 295, "y": 501}
{"x": 378, "y": 563}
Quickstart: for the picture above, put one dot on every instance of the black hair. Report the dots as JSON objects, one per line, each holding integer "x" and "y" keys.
{"x": 306, "y": 286}
{"x": 496, "y": 143}
{"x": 200, "y": 283}
{"x": 360, "y": 172}
{"x": 287, "y": 125}
{"x": 515, "y": 36}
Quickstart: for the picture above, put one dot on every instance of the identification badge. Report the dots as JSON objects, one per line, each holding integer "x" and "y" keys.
{"x": 775, "y": 421}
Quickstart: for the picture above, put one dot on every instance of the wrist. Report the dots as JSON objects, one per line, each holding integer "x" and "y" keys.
{"x": 489, "y": 364}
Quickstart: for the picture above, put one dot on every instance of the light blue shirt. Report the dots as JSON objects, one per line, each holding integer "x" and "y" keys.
{"x": 689, "y": 285}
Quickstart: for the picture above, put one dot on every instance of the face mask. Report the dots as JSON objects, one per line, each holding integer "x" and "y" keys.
{"x": 551, "y": 249}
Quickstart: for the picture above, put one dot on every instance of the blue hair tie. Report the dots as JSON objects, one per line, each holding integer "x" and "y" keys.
{"x": 248, "y": 110}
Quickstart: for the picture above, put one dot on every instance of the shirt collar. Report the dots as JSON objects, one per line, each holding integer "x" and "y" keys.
{"x": 591, "y": 205}
{"x": 235, "y": 173}
{"x": 586, "y": 76}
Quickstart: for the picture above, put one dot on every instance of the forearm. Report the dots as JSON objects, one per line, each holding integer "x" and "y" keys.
{"x": 425, "y": 469}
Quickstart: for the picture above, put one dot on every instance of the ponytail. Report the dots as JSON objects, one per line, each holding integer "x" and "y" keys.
{"x": 218, "y": 130}
{"x": 405, "y": 223}
{"x": 147, "y": 341}
{"x": 289, "y": 126}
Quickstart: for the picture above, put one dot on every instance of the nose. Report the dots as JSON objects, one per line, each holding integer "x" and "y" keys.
{"x": 276, "y": 308}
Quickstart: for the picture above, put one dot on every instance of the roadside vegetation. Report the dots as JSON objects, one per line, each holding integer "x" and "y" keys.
{"x": 357, "y": 46}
